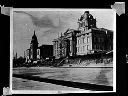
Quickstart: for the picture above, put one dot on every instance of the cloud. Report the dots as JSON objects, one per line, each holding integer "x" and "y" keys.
{"x": 43, "y": 22}
{"x": 47, "y": 24}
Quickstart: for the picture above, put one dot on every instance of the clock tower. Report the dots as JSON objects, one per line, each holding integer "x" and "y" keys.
{"x": 33, "y": 47}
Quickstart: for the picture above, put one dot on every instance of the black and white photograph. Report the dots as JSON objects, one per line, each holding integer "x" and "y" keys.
{"x": 62, "y": 50}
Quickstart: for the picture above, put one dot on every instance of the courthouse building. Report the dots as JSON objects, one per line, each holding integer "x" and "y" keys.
{"x": 91, "y": 39}
{"x": 36, "y": 52}
{"x": 33, "y": 53}
{"x": 87, "y": 39}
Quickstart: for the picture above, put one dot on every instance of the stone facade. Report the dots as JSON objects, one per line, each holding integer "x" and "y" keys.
{"x": 94, "y": 40}
{"x": 65, "y": 45}
{"x": 32, "y": 53}
{"x": 87, "y": 39}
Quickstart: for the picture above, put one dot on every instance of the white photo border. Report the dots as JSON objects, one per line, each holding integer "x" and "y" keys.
{"x": 54, "y": 92}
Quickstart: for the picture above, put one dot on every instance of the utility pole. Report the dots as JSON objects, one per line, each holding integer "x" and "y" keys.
{"x": 16, "y": 55}
{"x": 61, "y": 34}
{"x": 59, "y": 22}
{"x": 13, "y": 55}
{"x": 24, "y": 54}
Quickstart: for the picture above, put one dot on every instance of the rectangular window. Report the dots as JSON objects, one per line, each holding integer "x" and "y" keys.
{"x": 95, "y": 39}
{"x": 54, "y": 52}
{"x": 38, "y": 52}
{"x": 99, "y": 39}
{"x": 77, "y": 49}
{"x": 110, "y": 47}
{"x": 87, "y": 39}
{"x": 102, "y": 39}
{"x": 77, "y": 41}
{"x": 83, "y": 40}
{"x": 87, "y": 47}
{"x": 101, "y": 48}
{"x": 96, "y": 46}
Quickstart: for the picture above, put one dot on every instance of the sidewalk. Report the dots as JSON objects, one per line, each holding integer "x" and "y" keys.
{"x": 24, "y": 84}
{"x": 31, "y": 85}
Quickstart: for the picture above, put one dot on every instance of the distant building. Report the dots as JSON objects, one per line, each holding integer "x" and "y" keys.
{"x": 65, "y": 45}
{"x": 32, "y": 51}
{"x": 60, "y": 47}
{"x": 45, "y": 51}
{"x": 87, "y": 39}
{"x": 35, "y": 53}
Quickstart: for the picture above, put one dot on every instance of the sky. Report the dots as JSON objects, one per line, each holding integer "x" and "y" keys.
{"x": 49, "y": 24}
